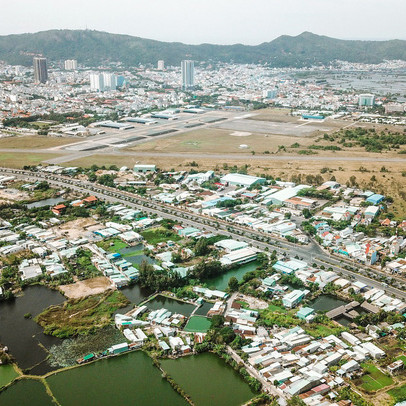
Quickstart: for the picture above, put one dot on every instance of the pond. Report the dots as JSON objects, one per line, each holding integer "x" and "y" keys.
{"x": 135, "y": 294}
{"x": 198, "y": 324}
{"x": 66, "y": 353}
{"x": 208, "y": 380}
{"x": 137, "y": 259}
{"x": 173, "y": 305}
{"x": 46, "y": 202}
{"x": 7, "y": 374}
{"x": 130, "y": 379}
{"x": 203, "y": 309}
{"x": 131, "y": 250}
{"x": 24, "y": 337}
{"x": 221, "y": 281}
{"x": 26, "y": 392}
{"x": 325, "y": 303}
{"x": 344, "y": 321}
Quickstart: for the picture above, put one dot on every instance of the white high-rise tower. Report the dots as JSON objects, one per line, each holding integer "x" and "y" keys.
{"x": 188, "y": 74}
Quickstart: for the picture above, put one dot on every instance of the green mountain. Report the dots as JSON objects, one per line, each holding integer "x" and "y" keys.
{"x": 95, "y": 47}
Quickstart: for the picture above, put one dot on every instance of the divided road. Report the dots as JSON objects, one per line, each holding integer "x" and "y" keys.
{"x": 311, "y": 253}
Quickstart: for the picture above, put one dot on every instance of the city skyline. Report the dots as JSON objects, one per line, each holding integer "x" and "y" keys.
{"x": 275, "y": 19}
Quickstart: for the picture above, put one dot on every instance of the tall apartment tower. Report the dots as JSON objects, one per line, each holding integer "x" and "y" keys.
{"x": 71, "y": 64}
{"x": 97, "y": 82}
{"x": 161, "y": 65}
{"x": 188, "y": 74}
{"x": 366, "y": 100}
{"x": 40, "y": 70}
{"x": 110, "y": 81}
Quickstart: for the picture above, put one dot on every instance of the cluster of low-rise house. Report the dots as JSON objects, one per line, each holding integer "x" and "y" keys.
{"x": 375, "y": 299}
{"x": 299, "y": 364}
{"x": 268, "y": 207}
{"x": 163, "y": 324}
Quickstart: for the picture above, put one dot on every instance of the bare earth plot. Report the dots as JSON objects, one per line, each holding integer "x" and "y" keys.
{"x": 76, "y": 228}
{"x": 12, "y": 195}
{"x": 85, "y": 288}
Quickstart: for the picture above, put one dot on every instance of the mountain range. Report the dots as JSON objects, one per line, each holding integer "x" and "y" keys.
{"x": 93, "y": 48}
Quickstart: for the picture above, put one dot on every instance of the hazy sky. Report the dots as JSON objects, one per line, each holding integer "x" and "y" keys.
{"x": 214, "y": 21}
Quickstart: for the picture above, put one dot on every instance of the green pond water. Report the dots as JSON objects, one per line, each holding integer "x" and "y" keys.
{"x": 221, "y": 282}
{"x": 26, "y": 392}
{"x": 129, "y": 379}
{"x": 7, "y": 374}
{"x": 173, "y": 305}
{"x": 208, "y": 380}
{"x": 326, "y": 303}
{"x": 204, "y": 308}
{"x": 198, "y": 324}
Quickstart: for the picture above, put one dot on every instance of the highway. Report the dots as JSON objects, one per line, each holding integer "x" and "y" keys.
{"x": 311, "y": 253}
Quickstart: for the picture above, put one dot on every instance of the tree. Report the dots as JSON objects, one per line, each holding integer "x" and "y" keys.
{"x": 217, "y": 321}
{"x": 295, "y": 401}
{"x": 233, "y": 284}
{"x": 44, "y": 185}
{"x": 306, "y": 213}
{"x": 107, "y": 180}
{"x": 202, "y": 247}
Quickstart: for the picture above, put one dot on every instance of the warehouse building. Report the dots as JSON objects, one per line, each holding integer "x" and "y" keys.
{"x": 237, "y": 179}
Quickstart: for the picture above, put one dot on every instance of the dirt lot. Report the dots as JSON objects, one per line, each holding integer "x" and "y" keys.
{"x": 85, "y": 288}
{"x": 76, "y": 228}
{"x": 12, "y": 195}
{"x": 253, "y": 302}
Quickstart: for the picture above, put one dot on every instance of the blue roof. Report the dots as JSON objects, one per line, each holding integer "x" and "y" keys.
{"x": 376, "y": 198}
{"x": 212, "y": 203}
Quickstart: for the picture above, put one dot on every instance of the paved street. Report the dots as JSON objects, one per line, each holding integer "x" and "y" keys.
{"x": 311, "y": 253}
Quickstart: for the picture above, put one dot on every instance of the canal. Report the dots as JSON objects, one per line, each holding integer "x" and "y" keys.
{"x": 221, "y": 281}
{"x": 208, "y": 380}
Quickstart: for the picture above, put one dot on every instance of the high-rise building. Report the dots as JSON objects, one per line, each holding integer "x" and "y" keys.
{"x": 161, "y": 65}
{"x": 188, "y": 74}
{"x": 96, "y": 82}
{"x": 120, "y": 80}
{"x": 110, "y": 81}
{"x": 71, "y": 64}
{"x": 366, "y": 100}
{"x": 269, "y": 94}
{"x": 40, "y": 70}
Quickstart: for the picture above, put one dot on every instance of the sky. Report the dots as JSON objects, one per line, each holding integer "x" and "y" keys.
{"x": 211, "y": 21}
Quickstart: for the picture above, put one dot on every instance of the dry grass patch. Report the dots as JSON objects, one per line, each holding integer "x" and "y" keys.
{"x": 216, "y": 140}
{"x": 18, "y": 160}
{"x": 33, "y": 142}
